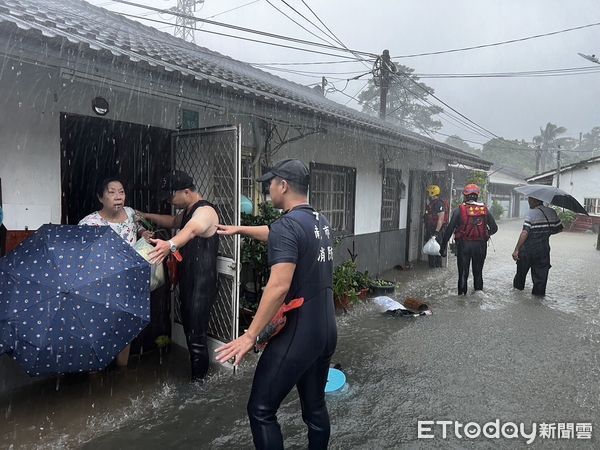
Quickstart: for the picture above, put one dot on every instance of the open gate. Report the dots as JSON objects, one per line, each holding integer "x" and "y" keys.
{"x": 211, "y": 156}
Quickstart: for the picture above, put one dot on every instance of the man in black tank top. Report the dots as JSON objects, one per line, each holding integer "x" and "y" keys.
{"x": 300, "y": 249}
{"x": 198, "y": 242}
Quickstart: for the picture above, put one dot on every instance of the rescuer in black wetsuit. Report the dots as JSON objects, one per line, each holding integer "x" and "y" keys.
{"x": 301, "y": 258}
{"x": 472, "y": 225}
{"x": 198, "y": 243}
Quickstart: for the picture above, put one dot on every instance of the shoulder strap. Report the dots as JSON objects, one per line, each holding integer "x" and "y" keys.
{"x": 545, "y": 216}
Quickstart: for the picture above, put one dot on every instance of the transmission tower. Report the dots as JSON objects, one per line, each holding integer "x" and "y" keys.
{"x": 184, "y": 26}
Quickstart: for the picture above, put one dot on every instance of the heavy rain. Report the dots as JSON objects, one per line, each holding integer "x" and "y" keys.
{"x": 289, "y": 223}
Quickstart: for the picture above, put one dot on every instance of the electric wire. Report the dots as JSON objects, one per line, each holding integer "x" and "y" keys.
{"x": 495, "y": 44}
{"x": 246, "y": 30}
{"x": 298, "y": 23}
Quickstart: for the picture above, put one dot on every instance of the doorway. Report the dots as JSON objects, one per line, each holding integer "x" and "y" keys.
{"x": 94, "y": 148}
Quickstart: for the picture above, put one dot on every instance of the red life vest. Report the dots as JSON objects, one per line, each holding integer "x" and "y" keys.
{"x": 473, "y": 225}
{"x": 431, "y": 218}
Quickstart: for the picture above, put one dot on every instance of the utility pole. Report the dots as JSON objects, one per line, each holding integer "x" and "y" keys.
{"x": 558, "y": 167}
{"x": 383, "y": 68}
{"x": 323, "y": 84}
{"x": 538, "y": 158}
{"x": 184, "y": 26}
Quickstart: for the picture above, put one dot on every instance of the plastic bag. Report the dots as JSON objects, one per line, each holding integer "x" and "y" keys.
{"x": 432, "y": 247}
{"x": 157, "y": 271}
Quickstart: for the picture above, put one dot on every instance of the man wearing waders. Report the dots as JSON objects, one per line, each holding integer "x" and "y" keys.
{"x": 436, "y": 219}
{"x": 198, "y": 243}
{"x": 533, "y": 247}
{"x": 300, "y": 254}
{"x": 472, "y": 226}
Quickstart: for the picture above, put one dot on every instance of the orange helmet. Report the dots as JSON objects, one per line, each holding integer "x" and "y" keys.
{"x": 471, "y": 189}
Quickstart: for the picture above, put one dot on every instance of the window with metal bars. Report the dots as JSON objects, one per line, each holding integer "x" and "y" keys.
{"x": 390, "y": 199}
{"x": 592, "y": 205}
{"x": 248, "y": 176}
{"x": 332, "y": 192}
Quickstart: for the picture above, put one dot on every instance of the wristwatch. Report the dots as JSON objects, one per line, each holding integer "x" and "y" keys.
{"x": 172, "y": 246}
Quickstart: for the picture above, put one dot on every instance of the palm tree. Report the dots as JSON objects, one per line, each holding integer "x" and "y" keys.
{"x": 547, "y": 142}
{"x": 591, "y": 140}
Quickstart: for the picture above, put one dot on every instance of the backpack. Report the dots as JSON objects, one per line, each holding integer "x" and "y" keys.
{"x": 473, "y": 225}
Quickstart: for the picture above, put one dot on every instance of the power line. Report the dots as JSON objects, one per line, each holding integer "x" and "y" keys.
{"x": 297, "y": 23}
{"x": 246, "y": 30}
{"x": 308, "y": 20}
{"x": 308, "y": 63}
{"x": 457, "y": 121}
{"x": 532, "y": 73}
{"x": 232, "y": 9}
{"x": 398, "y": 74}
{"x": 236, "y": 37}
{"x": 494, "y": 44}
{"x": 331, "y": 32}
{"x": 323, "y": 23}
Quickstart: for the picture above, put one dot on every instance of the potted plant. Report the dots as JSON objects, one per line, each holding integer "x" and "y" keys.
{"x": 382, "y": 287}
{"x": 345, "y": 285}
{"x": 363, "y": 282}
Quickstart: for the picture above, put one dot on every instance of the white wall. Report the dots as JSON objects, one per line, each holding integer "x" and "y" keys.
{"x": 581, "y": 183}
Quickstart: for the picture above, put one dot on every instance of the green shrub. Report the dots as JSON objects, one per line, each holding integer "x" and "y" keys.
{"x": 566, "y": 216}
{"x": 496, "y": 210}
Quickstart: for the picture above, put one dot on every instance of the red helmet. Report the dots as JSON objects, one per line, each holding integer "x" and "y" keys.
{"x": 471, "y": 189}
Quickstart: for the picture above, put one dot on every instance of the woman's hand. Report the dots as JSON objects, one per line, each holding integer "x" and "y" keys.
{"x": 147, "y": 235}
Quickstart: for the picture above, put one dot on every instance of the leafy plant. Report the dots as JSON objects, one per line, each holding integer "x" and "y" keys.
{"x": 496, "y": 210}
{"x": 254, "y": 253}
{"x": 566, "y": 216}
{"x": 382, "y": 283}
{"x": 345, "y": 281}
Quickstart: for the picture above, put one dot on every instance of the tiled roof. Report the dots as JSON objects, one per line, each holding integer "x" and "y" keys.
{"x": 79, "y": 22}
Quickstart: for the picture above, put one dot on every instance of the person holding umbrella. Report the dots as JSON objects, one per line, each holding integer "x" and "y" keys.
{"x": 121, "y": 218}
{"x": 533, "y": 246}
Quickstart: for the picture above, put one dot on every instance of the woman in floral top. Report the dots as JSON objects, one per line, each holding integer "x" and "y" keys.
{"x": 121, "y": 219}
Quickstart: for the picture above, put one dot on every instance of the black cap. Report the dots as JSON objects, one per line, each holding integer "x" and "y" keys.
{"x": 290, "y": 170}
{"x": 175, "y": 181}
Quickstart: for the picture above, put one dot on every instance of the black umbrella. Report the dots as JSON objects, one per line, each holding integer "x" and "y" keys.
{"x": 552, "y": 195}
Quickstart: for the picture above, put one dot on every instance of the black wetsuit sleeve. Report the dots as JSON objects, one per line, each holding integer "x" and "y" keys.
{"x": 493, "y": 227}
{"x": 285, "y": 241}
{"x": 454, "y": 222}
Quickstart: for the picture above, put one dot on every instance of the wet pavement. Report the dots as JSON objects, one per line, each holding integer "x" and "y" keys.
{"x": 499, "y": 355}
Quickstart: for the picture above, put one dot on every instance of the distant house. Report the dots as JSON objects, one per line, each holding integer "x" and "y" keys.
{"x": 581, "y": 180}
{"x": 500, "y": 187}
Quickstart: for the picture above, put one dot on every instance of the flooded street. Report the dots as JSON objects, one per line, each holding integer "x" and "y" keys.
{"x": 501, "y": 355}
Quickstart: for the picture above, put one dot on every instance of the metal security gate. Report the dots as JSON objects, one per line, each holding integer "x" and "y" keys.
{"x": 211, "y": 156}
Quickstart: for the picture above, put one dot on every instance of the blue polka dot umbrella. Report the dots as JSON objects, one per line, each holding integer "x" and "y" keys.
{"x": 71, "y": 298}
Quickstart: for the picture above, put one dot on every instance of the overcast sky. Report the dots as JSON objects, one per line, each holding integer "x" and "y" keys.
{"x": 513, "y": 108}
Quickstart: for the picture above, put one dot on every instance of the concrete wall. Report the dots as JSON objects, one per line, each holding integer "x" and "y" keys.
{"x": 581, "y": 183}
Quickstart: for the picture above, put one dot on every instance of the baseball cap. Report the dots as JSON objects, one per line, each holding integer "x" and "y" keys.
{"x": 290, "y": 170}
{"x": 175, "y": 181}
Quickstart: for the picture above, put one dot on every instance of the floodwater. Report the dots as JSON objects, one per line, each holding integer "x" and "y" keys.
{"x": 500, "y": 355}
